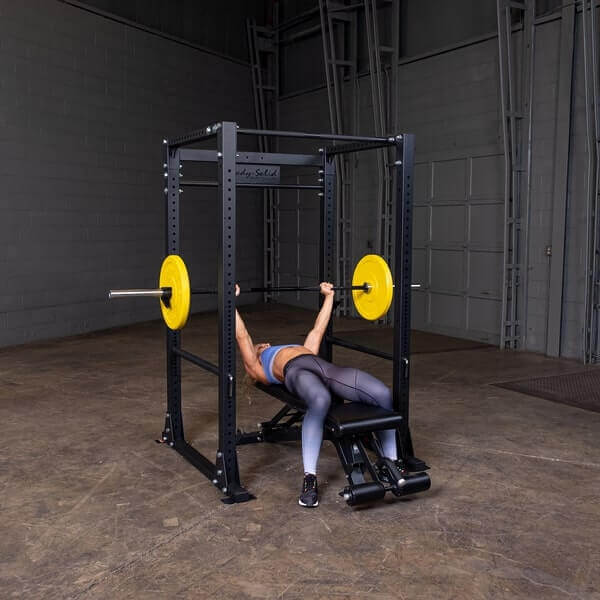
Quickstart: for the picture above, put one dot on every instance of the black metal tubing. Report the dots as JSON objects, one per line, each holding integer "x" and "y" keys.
{"x": 326, "y": 247}
{"x": 279, "y": 288}
{"x": 357, "y": 147}
{"x": 336, "y": 341}
{"x": 402, "y": 276}
{"x": 173, "y": 430}
{"x": 196, "y": 458}
{"x": 268, "y": 158}
{"x": 206, "y": 365}
{"x": 227, "y": 453}
{"x": 279, "y": 186}
{"x": 212, "y": 131}
{"x": 197, "y": 135}
{"x": 317, "y": 136}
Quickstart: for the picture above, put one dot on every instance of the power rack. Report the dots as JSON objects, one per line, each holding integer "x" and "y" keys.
{"x": 224, "y": 472}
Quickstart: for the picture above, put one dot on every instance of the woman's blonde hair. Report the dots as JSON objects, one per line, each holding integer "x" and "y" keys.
{"x": 247, "y": 387}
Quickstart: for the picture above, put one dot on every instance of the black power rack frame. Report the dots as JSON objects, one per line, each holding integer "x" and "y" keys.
{"x": 224, "y": 472}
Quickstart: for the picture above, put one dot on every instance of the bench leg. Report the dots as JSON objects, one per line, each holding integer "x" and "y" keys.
{"x": 385, "y": 475}
{"x": 283, "y": 427}
{"x": 356, "y": 463}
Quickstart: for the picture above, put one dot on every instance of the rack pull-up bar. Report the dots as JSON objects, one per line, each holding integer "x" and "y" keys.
{"x": 317, "y": 136}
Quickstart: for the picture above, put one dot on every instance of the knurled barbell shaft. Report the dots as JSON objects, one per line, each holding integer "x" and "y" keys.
{"x": 292, "y": 288}
{"x": 161, "y": 293}
{"x": 364, "y": 288}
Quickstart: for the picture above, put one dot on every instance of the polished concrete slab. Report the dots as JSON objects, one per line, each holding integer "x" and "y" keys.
{"x": 92, "y": 507}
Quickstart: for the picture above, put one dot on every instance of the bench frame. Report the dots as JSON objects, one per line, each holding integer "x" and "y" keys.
{"x": 224, "y": 471}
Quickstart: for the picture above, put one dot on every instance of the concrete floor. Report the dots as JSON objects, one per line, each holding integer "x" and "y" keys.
{"x": 92, "y": 508}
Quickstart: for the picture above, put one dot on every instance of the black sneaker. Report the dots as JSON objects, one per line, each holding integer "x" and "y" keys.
{"x": 310, "y": 493}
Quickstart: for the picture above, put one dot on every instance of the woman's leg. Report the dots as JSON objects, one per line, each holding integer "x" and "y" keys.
{"x": 310, "y": 388}
{"x": 357, "y": 386}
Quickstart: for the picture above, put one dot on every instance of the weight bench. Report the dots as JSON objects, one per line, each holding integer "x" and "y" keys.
{"x": 351, "y": 427}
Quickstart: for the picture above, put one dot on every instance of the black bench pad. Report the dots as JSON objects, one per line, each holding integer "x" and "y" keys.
{"x": 354, "y": 417}
{"x": 343, "y": 418}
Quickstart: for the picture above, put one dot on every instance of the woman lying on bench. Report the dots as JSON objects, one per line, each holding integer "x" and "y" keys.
{"x": 313, "y": 380}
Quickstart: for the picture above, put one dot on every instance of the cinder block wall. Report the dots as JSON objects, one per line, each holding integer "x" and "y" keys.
{"x": 84, "y": 105}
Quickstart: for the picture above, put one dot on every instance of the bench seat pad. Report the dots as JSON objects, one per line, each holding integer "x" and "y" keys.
{"x": 344, "y": 418}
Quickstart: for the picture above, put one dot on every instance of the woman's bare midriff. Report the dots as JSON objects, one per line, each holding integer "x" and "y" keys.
{"x": 284, "y": 356}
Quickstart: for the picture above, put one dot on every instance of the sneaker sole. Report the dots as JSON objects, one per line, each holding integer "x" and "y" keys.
{"x": 308, "y": 505}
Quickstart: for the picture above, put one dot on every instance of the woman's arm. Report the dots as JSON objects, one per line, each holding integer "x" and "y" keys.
{"x": 244, "y": 342}
{"x": 315, "y": 336}
{"x": 246, "y": 346}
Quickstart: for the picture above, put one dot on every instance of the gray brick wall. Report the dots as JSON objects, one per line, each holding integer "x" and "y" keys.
{"x": 84, "y": 105}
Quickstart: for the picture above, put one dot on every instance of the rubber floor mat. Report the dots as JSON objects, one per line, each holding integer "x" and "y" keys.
{"x": 580, "y": 389}
{"x": 421, "y": 342}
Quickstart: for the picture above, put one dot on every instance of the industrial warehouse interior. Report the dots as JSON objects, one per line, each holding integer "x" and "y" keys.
{"x": 301, "y": 299}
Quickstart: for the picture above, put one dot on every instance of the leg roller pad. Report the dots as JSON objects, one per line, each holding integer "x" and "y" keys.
{"x": 362, "y": 493}
{"x": 419, "y": 482}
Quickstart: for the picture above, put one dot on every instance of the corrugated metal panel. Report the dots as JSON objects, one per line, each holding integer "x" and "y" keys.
{"x": 458, "y": 247}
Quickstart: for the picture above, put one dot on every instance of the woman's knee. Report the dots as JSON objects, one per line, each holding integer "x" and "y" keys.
{"x": 383, "y": 395}
{"x": 319, "y": 404}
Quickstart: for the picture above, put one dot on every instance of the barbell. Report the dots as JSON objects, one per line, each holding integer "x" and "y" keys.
{"x": 372, "y": 289}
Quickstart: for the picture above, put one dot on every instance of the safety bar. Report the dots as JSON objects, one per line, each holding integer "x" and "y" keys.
{"x": 208, "y": 366}
{"x": 359, "y": 347}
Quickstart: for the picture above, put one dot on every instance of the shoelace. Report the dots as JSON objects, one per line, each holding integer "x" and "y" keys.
{"x": 310, "y": 483}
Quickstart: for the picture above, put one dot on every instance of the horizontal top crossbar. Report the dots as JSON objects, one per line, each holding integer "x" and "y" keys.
{"x": 211, "y": 131}
{"x": 316, "y": 136}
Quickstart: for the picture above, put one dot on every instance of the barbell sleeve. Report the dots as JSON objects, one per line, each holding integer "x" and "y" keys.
{"x": 137, "y": 293}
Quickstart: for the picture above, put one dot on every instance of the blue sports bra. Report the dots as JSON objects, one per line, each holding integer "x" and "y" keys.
{"x": 267, "y": 357}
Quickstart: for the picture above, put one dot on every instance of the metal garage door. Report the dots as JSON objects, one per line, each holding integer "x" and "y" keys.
{"x": 458, "y": 246}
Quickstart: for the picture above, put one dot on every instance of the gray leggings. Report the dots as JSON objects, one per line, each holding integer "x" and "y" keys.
{"x": 314, "y": 380}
